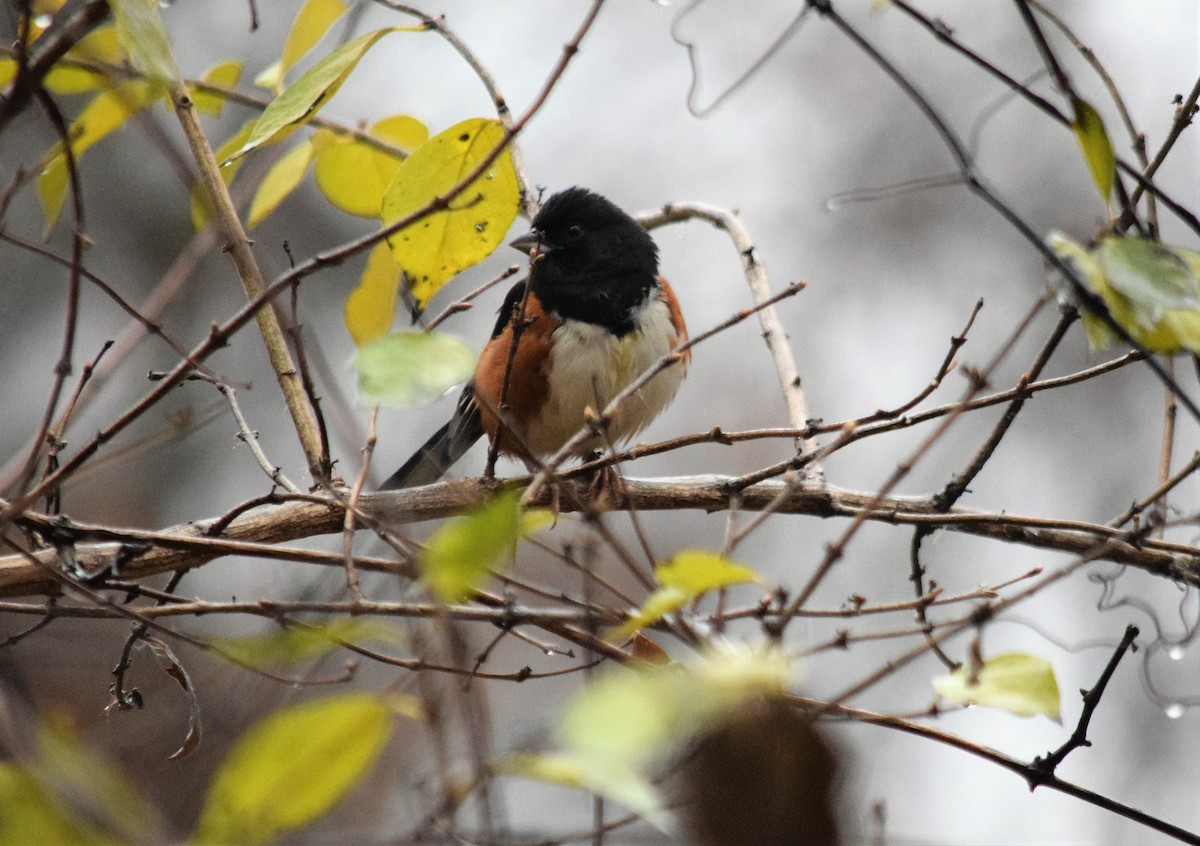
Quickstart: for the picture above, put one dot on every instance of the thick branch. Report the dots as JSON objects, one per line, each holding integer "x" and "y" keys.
{"x": 221, "y": 206}
{"x": 142, "y": 553}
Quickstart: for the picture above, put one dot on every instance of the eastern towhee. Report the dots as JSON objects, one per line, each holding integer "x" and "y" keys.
{"x": 597, "y": 316}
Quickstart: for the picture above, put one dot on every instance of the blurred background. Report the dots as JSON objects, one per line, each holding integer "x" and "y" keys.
{"x": 891, "y": 277}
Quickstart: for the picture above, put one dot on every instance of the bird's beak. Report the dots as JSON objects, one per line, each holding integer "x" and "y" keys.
{"x": 530, "y": 240}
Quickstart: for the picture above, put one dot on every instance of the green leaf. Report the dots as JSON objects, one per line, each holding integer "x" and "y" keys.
{"x": 1020, "y": 684}
{"x": 614, "y": 730}
{"x": 438, "y": 246}
{"x": 224, "y": 75}
{"x": 141, "y": 33}
{"x": 281, "y": 180}
{"x": 305, "y": 97}
{"x": 1150, "y": 290}
{"x": 312, "y": 22}
{"x": 293, "y": 767}
{"x": 1153, "y": 277}
{"x": 107, "y": 112}
{"x": 299, "y": 644}
{"x": 411, "y": 368}
{"x": 199, "y": 200}
{"x": 65, "y": 794}
{"x": 371, "y": 306}
{"x": 28, "y": 814}
{"x": 1096, "y": 146}
{"x": 460, "y": 555}
{"x": 687, "y": 575}
{"x": 628, "y": 787}
{"x": 352, "y": 174}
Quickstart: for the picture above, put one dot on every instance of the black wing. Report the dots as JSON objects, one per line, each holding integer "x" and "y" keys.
{"x": 451, "y": 442}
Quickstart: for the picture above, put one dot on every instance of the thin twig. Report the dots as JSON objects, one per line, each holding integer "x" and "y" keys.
{"x": 760, "y": 289}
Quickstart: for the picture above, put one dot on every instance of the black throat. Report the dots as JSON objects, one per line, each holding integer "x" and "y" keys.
{"x": 612, "y": 302}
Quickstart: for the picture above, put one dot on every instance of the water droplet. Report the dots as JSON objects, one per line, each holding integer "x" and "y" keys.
{"x": 42, "y": 21}
{"x": 1175, "y": 652}
{"x": 1175, "y": 711}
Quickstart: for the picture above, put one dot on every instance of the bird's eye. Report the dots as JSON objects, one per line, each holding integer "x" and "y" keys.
{"x": 575, "y": 232}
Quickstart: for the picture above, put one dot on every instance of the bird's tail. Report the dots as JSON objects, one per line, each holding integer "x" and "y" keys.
{"x": 448, "y": 445}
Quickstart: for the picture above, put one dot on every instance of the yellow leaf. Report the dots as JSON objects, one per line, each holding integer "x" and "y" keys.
{"x": 442, "y": 244}
{"x": 312, "y": 22}
{"x": 282, "y": 179}
{"x": 1020, "y": 684}
{"x": 28, "y": 814}
{"x": 293, "y": 767}
{"x": 685, "y": 576}
{"x": 1096, "y": 146}
{"x": 352, "y": 174}
{"x": 106, "y": 113}
{"x": 224, "y": 75}
{"x": 199, "y": 200}
{"x": 371, "y": 306}
{"x": 305, "y": 97}
{"x": 99, "y": 46}
{"x": 697, "y": 571}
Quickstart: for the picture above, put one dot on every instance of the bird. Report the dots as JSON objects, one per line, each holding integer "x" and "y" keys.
{"x": 596, "y": 315}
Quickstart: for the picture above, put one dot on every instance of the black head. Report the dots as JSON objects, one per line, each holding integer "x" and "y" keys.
{"x": 598, "y": 264}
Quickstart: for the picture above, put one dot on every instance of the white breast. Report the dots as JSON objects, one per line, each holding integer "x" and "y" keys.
{"x": 589, "y": 366}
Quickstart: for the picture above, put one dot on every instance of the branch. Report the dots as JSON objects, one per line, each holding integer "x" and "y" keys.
{"x": 237, "y": 242}
{"x": 760, "y": 288}
{"x": 1045, "y": 767}
{"x": 143, "y": 553}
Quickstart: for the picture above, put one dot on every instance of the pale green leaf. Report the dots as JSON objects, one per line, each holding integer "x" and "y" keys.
{"x": 628, "y": 787}
{"x": 1153, "y": 277}
{"x": 371, "y": 306}
{"x": 293, "y": 767}
{"x": 305, "y": 97}
{"x": 353, "y": 174}
{"x": 438, "y": 246}
{"x": 224, "y": 75}
{"x": 460, "y": 555}
{"x": 1096, "y": 146}
{"x": 141, "y": 34}
{"x": 299, "y": 644}
{"x": 1020, "y": 684}
{"x": 411, "y": 368}
{"x": 616, "y": 729}
{"x": 628, "y": 717}
{"x": 281, "y": 180}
